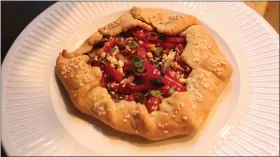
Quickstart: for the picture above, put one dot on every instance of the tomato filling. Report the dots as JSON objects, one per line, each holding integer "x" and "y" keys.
{"x": 141, "y": 66}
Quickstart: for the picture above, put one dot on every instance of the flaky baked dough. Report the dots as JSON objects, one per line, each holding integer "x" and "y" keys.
{"x": 183, "y": 113}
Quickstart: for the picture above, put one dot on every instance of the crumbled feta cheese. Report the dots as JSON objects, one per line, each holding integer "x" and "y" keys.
{"x": 102, "y": 54}
{"x": 120, "y": 63}
{"x": 116, "y": 50}
{"x": 164, "y": 57}
{"x": 120, "y": 70}
{"x": 112, "y": 59}
{"x": 171, "y": 55}
{"x": 149, "y": 55}
{"x": 152, "y": 47}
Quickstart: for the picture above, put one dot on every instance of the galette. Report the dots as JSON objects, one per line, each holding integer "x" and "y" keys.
{"x": 152, "y": 72}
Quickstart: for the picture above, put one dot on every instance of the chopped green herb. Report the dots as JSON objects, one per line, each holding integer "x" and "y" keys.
{"x": 158, "y": 50}
{"x": 138, "y": 64}
{"x": 133, "y": 44}
{"x": 140, "y": 70}
{"x": 136, "y": 59}
{"x": 155, "y": 93}
{"x": 171, "y": 90}
{"x": 166, "y": 65}
{"x": 147, "y": 93}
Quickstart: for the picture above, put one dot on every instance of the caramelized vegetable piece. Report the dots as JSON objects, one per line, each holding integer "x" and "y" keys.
{"x": 176, "y": 39}
{"x": 113, "y": 73}
{"x": 131, "y": 97}
{"x": 153, "y": 104}
{"x": 127, "y": 61}
{"x": 165, "y": 90}
{"x": 132, "y": 88}
{"x": 180, "y": 47}
{"x": 168, "y": 45}
{"x": 170, "y": 80}
{"x": 146, "y": 45}
{"x": 113, "y": 86}
{"x": 141, "y": 52}
{"x": 109, "y": 44}
{"x": 140, "y": 34}
{"x": 151, "y": 36}
{"x": 152, "y": 73}
{"x": 103, "y": 80}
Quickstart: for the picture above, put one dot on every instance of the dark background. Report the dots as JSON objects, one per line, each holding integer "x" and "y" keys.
{"x": 15, "y": 16}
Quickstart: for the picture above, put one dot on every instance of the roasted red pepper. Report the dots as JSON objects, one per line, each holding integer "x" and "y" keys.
{"x": 146, "y": 45}
{"x": 157, "y": 42}
{"x": 140, "y": 34}
{"x": 180, "y": 47}
{"x": 184, "y": 68}
{"x": 113, "y": 73}
{"x": 102, "y": 81}
{"x": 153, "y": 104}
{"x": 127, "y": 61}
{"x": 152, "y": 36}
{"x": 171, "y": 80}
{"x": 131, "y": 97}
{"x": 113, "y": 86}
{"x": 165, "y": 90}
{"x": 109, "y": 44}
{"x": 133, "y": 88}
{"x": 168, "y": 45}
{"x": 141, "y": 52}
{"x": 176, "y": 39}
{"x": 152, "y": 73}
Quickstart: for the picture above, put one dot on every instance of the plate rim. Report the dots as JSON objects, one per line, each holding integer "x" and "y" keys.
{"x": 5, "y": 141}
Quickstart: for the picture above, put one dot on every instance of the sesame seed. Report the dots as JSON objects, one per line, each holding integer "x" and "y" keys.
{"x": 104, "y": 113}
{"x": 124, "y": 120}
{"x": 193, "y": 107}
{"x": 101, "y": 108}
{"x": 127, "y": 116}
{"x": 165, "y": 131}
{"x": 160, "y": 125}
{"x": 185, "y": 118}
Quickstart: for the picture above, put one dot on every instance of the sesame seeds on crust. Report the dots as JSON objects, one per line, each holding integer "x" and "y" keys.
{"x": 180, "y": 114}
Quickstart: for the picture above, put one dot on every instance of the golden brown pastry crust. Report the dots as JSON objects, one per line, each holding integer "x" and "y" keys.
{"x": 182, "y": 113}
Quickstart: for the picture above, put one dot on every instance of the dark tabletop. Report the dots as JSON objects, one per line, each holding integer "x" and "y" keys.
{"x": 15, "y": 16}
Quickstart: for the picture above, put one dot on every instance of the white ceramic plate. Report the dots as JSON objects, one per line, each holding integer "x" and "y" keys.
{"x": 38, "y": 118}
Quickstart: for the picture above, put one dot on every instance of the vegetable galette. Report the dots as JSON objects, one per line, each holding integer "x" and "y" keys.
{"x": 152, "y": 72}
